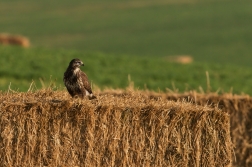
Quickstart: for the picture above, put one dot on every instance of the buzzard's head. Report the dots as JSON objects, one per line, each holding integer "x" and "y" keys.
{"x": 75, "y": 63}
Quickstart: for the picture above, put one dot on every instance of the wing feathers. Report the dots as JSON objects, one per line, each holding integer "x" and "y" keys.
{"x": 76, "y": 82}
{"x": 85, "y": 82}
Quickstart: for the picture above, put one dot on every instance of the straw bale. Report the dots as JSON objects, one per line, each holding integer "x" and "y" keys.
{"x": 183, "y": 59}
{"x": 8, "y": 39}
{"x": 48, "y": 128}
{"x": 239, "y": 107}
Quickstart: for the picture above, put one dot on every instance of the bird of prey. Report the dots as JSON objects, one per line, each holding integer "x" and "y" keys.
{"x": 76, "y": 81}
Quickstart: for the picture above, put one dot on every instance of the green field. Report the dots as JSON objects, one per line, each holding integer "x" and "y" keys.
{"x": 106, "y": 70}
{"x": 120, "y": 38}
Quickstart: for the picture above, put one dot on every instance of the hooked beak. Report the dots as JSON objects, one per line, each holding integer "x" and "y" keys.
{"x": 82, "y": 64}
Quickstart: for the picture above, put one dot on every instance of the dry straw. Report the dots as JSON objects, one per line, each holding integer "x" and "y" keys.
{"x": 8, "y": 39}
{"x": 239, "y": 107}
{"x": 47, "y": 128}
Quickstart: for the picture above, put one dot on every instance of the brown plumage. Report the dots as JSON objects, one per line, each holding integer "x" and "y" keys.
{"x": 76, "y": 81}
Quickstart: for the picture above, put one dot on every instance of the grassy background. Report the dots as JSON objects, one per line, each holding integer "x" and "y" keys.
{"x": 209, "y": 30}
{"x": 118, "y": 38}
{"x": 107, "y": 70}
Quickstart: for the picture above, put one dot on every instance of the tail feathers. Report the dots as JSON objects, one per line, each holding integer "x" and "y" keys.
{"x": 91, "y": 96}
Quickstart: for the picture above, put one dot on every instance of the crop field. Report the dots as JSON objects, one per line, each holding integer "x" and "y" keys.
{"x": 20, "y": 67}
{"x": 216, "y": 31}
{"x": 118, "y": 39}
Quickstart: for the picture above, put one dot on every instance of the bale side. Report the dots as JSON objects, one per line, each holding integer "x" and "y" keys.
{"x": 239, "y": 107}
{"x": 130, "y": 130}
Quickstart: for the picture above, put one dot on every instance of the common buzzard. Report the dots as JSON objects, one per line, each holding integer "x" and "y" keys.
{"x": 76, "y": 81}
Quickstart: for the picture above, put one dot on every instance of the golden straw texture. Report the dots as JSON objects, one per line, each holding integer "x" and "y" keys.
{"x": 47, "y": 128}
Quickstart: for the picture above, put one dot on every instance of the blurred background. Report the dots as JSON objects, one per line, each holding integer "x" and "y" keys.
{"x": 176, "y": 45}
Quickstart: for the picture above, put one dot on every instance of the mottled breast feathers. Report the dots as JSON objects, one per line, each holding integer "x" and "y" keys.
{"x": 76, "y": 81}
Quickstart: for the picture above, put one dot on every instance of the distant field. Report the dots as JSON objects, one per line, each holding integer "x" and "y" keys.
{"x": 216, "y": 31}
{"x": 117, "y": 39}
{"x": 22, "y": 66}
